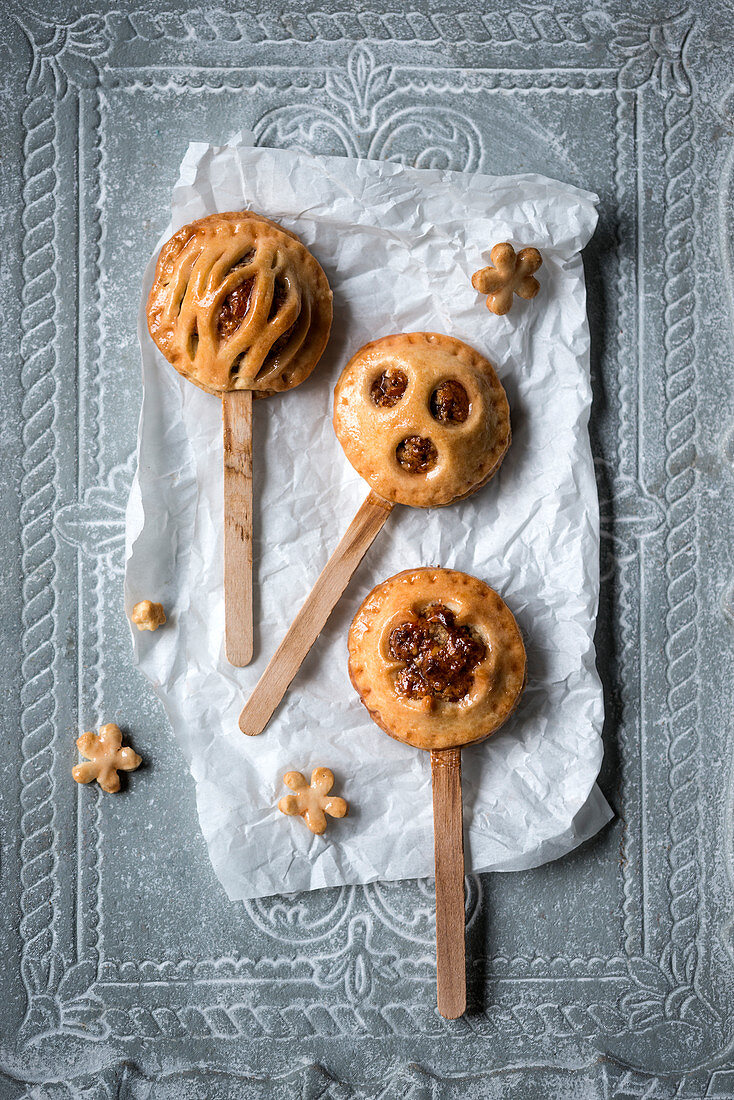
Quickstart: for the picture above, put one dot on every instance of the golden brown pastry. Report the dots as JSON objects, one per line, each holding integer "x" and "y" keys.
{"x": 238, "y": 303}
{"x": 508, "y": 274}
{"x": 422, "y": 417}
{"x": 312, "y": 801}
{"x": 437, "y": 658}
{"x": 105, "y": 757}
{"x": 148, "y": 615}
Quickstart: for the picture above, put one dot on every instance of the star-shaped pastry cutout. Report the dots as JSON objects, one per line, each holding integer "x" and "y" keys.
{"x": 312, "y": 802}
{"x": 105, "y": 757}
{"x": 508, "y": 274}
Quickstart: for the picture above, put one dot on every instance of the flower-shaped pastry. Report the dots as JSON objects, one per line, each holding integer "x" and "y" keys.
{"x": 312, "y": 803}
{"x": 508, "y": 274}
{"x": 105, "y": 757}
{"x": 148, "y": 615}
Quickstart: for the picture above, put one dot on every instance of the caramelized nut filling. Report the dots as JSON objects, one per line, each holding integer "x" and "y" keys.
{"x": 389, "y": 388}
{"x": 440, "y": 657}
{"x": 450, "y": 403}
{"x": 279, "y": 344}
{"x": 280, "y": 293}
{"x": 416, "y": 454}
{"x": 194, "y": 340}
{"x": 234, "y": 309}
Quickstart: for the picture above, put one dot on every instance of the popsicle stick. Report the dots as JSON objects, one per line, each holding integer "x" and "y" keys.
{"x": 237, "y": 435}
{"x": 311, "y": 619}
{"x": 449, "y": 854}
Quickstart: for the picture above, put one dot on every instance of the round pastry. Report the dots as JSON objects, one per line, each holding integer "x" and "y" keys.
{"x": 238, "y": 303}
{"x": 437, "y": 658}
{"x": 422, "y": 417}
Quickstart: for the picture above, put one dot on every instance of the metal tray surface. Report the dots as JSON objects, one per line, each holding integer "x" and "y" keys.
{"x": 126, "y": 972}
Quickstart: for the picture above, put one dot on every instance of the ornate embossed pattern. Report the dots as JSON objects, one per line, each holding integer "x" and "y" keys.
{"x": 96, "y": 524}
{"x": 38, "y": 844}
{"x": 359, "y": 962}
{"x": 354, "y": 124}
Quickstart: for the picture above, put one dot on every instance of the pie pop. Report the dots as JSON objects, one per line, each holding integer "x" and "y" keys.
{"x": 239, "y": 307}
{"x": 438, "y": 660}
{"x": 424, "y": 419}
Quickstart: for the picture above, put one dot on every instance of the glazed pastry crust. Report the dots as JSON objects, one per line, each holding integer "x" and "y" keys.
{"x": 148, "y": 615}
{"x": 508, "y": 274}
{"x": 429, "y": 723}
{"x": 468, "y": 454}
{"x": 284, "y": 330}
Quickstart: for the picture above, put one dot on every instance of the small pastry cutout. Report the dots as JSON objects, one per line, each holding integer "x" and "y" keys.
{"x": 313, "y": 802}
{"x": 148, "y": 615}
{"x": 105, "y": 757}
{"x": 507, "y": 275}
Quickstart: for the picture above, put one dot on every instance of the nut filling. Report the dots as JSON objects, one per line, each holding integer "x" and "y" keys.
{"x": 280, "y": 344}
{"x": 388, "y": 389}
{"x": 440, "y": 657}
{"x": 280, "y": 293}
{"x": 416, "y": 454}
{"x": 234, "y": 309}
{"x": 450, "y": 403}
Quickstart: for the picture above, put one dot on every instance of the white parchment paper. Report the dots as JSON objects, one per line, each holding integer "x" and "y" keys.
{"x": 399, "y": 247}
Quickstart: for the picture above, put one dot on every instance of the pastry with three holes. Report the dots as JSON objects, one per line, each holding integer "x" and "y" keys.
{"x": 239, "y": 303}
{"x": 422, "y": 417}
{"x": 437, "y": 658}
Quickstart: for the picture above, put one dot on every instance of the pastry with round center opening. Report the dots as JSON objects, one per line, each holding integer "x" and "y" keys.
{"x": 239, "y": 303}
{"x": 437, "y": 658}
{"x": 422, "y": 417}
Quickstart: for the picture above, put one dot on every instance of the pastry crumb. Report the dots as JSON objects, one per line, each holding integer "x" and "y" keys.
{"x": 148, "y": 615}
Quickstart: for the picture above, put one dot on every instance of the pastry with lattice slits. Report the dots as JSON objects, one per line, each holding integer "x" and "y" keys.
{"x": 239, "y": 303}
{"x": 241, "y": 308}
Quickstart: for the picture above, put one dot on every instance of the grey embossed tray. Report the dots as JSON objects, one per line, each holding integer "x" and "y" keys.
{"x": 126, "y": 970}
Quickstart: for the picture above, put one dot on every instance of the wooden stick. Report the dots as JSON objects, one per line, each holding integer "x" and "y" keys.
{"x": 449, "y": 853}
{"x": 237, "y": 435}
{"x": 311, "y": 619}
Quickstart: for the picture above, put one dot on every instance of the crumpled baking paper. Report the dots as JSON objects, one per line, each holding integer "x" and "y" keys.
{"x": 399, "y": 247}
